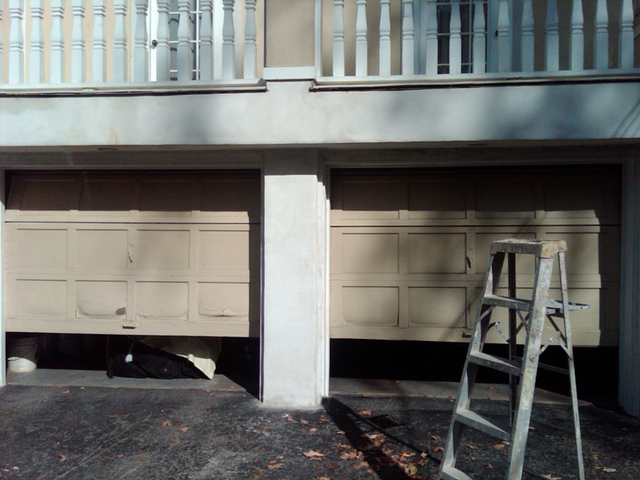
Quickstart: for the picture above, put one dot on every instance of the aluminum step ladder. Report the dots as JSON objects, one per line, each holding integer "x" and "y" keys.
{"x": 531, "y": 316}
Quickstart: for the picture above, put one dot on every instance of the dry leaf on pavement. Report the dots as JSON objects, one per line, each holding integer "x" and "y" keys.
{"x": 275, "y": 465}
{"x": 313, "y": 455}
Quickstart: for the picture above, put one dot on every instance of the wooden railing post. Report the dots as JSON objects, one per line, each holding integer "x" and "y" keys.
{"x": 338, "y": 38}
{"x": 576, "y": 51}
{"x": 1, "y": 48}
{"x": 552, "y": 57}
{"x": 16, "y": 42}
{"x": 36, "y": 51}
{"x": 120, "y": 60}
{"x": 626, "y": 37}
{"x": 431, "y": 53}
{"x": 206, "y": 40}
{"x": 479, "y": 38}
{"x": 601, "y": 37}
{"x": 78, "y": 56}
{"x": 385, "y": 37}
{"x": 361, "y": 38}
{"x": 185, "y": 34}
{"x": 163, "y": 59}
{"x": 141, "y": 43}
{"x": 250, "y": 40}
{"x": 99, "y": 59}
{"x": 408, "y": 40}
{"x": 528, "y": 40}
{"x": 228, "y": 41}
{"x": 504, "y": 37}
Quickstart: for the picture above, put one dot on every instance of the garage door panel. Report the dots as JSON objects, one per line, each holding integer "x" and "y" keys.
{"x": 438, "y": 307}
{"x": 425, "y": 283}
{"x": 437, "y": 200}
{"x": 437, "y": 253}
{"x": 41, "y": 298}
{"x": 112, "y": 268}
{"x": 101, "y": 300}
{"x": 44, "y": 248}
{"x": 102, "y": 249}
{"x": 370, "y": 306}
{"x": 370, "y": 253}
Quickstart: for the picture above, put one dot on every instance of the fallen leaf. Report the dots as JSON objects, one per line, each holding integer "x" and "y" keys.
{"x": 184, "y": 429}
{"x": 324, "y": 419}
{"x": 313, "y": 455}
{"x": 489, "y": 466}
{"x": 551, "y": 477}
{"x": 340, "y": 432}
{"x": 166, "y": 423}
{"x": 410, "y": 469}
{"x": 344, "y": 445}
{"x": 364, "y": 413}
{"x": 607, "y": 469}
{"x": 304, "y": 422}
{"x": 438, "y": 449}
{"x": 499, "y": 446}
{"x": 435, "y": 437}
{"x": 472, "y": 447}
{"x": 323, "y": 478}
{"x": 275, "y": 465}
{"x": 291, "y": 419}
{"x": 66, "y": 392}
{"x": 63, "y": 457}
{"x": 313, "y": 430}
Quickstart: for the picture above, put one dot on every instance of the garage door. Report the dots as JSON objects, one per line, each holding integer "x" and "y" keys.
{"x": 409, "y": 250}
{"x": 156, "y": 254}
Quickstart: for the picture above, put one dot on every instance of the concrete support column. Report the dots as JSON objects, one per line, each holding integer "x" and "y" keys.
{"x": 629, "y": 393}
{"x": 294, "y": 325}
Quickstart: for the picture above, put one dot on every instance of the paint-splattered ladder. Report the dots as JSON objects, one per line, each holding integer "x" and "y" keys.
{"x": 529, "y": 315}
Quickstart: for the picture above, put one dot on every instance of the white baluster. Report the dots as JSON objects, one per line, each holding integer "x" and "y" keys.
{"x": 385, "y": 37}
{"x": 250, "y": 40}
{"x": 479, "y": 38}
{"x": 36, "y": 53}
{"x": 78, "y": 58}
{"x": 577, "y": 37}
{"x": 120, "y": 41}
{"x": 455, "y": 39}
{"x": 99, "y": 42}
{"x": 528, "y": 39}
{"x": 185, "y": 34}
{"x": 408, "y": 40}
{"x": 141, "y": 43}
{"x": 552, "y": 56}
{"x": 338, "y": 38}
{"x": 57, "y": 60}
{"x": 626, "y": 35}
{"x": 163, "y": 59}
{"x": 228, "y": 41}
{"x": 504, "y": 37}
{"x": 206, "y": 40}
{"x": 431, "y": 60}
{"x": 601, "y": 39}
{"x": 16, "y": 42}
{"x": 361, "y": 38}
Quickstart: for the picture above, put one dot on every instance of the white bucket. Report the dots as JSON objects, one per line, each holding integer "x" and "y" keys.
{"x": 22, "y": 354}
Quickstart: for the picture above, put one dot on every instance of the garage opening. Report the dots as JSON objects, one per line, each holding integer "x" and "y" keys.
{"x": 409, "y": 251}
{"x": 131, "y": 253}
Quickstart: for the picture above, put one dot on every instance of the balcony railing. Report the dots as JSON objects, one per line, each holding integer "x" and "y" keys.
{"x": 138, "y": 41}
{"x": 442, "y": 39}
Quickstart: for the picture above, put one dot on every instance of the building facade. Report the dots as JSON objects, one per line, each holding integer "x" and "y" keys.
{"x": 314, "y": 169}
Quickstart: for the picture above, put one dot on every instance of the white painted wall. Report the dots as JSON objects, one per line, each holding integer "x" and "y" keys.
{"x": 289, "y": 114}
{"x": 295, "y": 329}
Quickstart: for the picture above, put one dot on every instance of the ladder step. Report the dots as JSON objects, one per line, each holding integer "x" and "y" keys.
{"x": 555, "y": 307}
{"x": 507, "y": 302}
{"x": 475, "y": 421}
{"x": 452, "y": 473}
{"x": 497, "y": 363}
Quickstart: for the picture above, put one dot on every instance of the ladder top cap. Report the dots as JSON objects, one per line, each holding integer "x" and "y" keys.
{"x": 539, "y": 248}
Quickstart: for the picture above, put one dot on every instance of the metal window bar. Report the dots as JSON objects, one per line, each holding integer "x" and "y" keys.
{"x": 467, "y": 11}
{"x": 195, "y": 17}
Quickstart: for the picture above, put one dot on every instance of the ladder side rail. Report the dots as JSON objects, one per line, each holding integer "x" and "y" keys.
{"x": 520, "y": 430}
{"x": 571, "y": 362}
{"x": 513, "y": 336}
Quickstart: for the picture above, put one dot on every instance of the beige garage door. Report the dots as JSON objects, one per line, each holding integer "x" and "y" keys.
{"x": 409, "y": 250}
{"x": 157, "y": 254}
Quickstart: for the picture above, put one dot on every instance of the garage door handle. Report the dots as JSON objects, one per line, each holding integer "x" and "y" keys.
{"x": 130, "y": 252}
{"x": 468, "y": 263}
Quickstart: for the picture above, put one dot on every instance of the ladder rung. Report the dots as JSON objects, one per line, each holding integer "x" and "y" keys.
{"x": 555, "y": 307}
{"x": 473, "y": 420}
{"x": 497, "y": 363}
{"x": 452, "y": 473}
{"x": 507, "y": 302}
